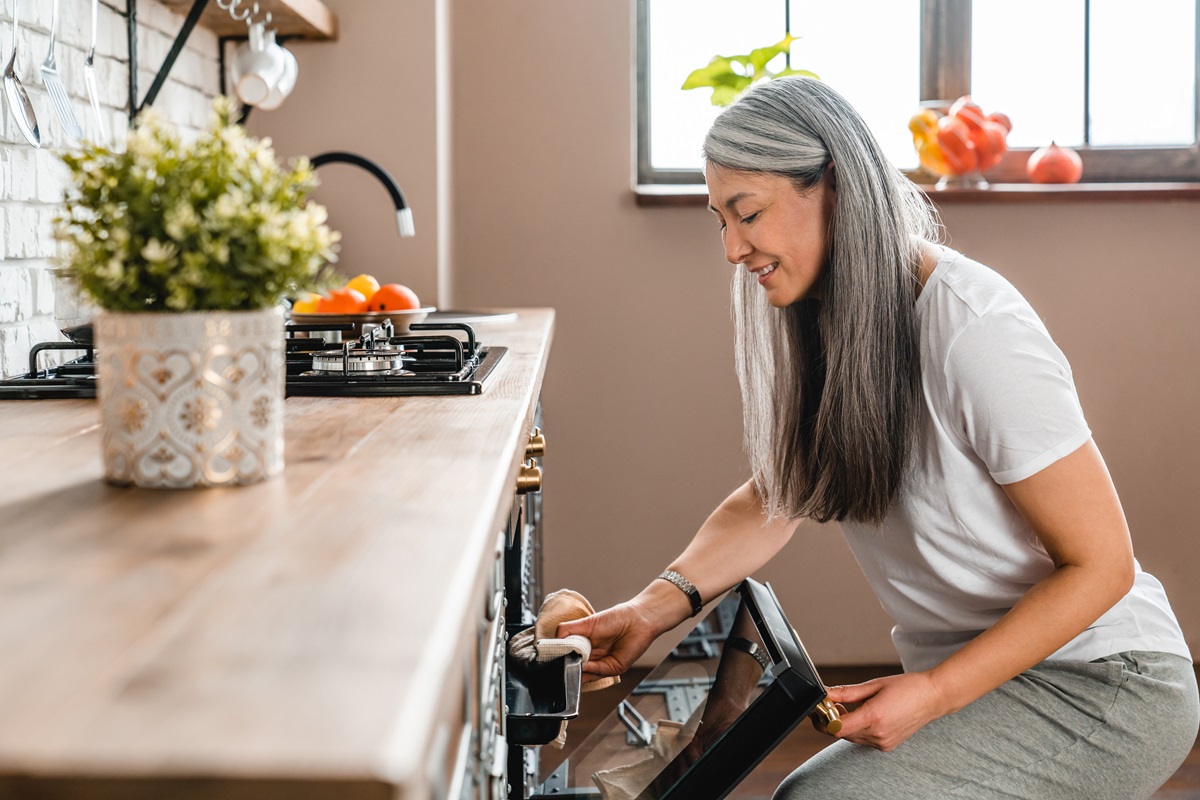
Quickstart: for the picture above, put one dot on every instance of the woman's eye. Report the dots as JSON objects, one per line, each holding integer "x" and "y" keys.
{"x": 751, "y": 218}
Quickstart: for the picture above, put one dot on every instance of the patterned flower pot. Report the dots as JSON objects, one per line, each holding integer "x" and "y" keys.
{"x": 191, "y": 399}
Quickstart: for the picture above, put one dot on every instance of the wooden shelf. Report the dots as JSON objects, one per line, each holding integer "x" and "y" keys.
{"x": 307, "y": 19}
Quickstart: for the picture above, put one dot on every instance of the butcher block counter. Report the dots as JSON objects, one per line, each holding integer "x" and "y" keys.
{"x": 310, "y": 636}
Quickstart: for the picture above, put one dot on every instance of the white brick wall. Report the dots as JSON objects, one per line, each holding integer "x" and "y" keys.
{"x": 32, "y": 180}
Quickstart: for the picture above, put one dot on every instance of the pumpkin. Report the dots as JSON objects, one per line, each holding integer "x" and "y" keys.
{"x": 1054, "y": 164}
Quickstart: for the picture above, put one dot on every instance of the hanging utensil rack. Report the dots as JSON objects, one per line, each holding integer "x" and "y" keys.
{"x": 306, "y": 19}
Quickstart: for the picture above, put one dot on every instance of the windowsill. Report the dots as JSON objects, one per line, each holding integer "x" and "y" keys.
{"x": 697, "y": 195}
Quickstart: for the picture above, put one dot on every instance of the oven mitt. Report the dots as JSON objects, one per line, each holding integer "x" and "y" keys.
{"x": 536, "y": 645}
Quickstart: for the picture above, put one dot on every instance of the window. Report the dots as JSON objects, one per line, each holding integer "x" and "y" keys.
{"x": 1119, "y": 85}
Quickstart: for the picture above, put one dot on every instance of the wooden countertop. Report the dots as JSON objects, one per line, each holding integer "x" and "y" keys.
{"x": 263, "y": 641}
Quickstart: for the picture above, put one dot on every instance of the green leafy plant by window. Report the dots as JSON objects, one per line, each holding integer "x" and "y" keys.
{"x": 729, "y": 76}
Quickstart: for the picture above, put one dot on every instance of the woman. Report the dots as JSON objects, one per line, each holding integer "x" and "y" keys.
{"x": 911, "y": 394}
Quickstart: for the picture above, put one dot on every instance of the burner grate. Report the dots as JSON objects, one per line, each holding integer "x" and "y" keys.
{"x": 432, "y": 363}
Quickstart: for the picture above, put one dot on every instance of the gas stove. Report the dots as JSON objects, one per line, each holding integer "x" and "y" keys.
{"x": 431, "y": 359}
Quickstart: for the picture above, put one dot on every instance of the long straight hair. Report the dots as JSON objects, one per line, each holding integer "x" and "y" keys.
{"x": 830, "y": 387}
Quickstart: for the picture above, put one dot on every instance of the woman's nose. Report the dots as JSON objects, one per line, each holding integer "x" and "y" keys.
{"x": 737, "y": 249}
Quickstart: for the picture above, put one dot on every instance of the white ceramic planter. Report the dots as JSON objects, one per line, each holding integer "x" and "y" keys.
{"x": 192, "y": 399}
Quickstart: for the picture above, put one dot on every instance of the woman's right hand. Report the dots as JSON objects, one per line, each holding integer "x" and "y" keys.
{"x": 619, "y": 635}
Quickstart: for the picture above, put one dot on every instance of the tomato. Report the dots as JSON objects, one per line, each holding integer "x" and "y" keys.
{"x": 1002, "y": 120}
{"x": 342, "y": 301}
{"x": 989, "y": 144}
{"x": 954, "y": 138}
{"x": 306, "y": 304}
{"x": 364, "y": 284}
{"x": 394, "y": 297}
{"x": 968, "y": 111}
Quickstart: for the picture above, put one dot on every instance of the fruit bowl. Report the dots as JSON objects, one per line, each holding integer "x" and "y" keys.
{"x": 400, "y": 320}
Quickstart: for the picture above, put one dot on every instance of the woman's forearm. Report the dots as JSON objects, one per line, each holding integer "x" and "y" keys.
{"x": 732, "y": 543}
{"x": 1073, "y": 508}
{"x": 1052, "y": 613}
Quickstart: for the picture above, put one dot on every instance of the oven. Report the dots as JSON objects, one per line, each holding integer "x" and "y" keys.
{"x": 692, "y": 729}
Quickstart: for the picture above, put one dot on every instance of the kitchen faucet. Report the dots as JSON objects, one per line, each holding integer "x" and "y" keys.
{"x": 404, "y": 218}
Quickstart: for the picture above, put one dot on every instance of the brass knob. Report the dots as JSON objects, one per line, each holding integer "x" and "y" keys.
{"x": 536, "y": 446}
{"x": 828, "y": 713}
{"x": 529, "y": 479}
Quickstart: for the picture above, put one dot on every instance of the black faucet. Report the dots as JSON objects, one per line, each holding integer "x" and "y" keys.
{"x": 404, "y": 218}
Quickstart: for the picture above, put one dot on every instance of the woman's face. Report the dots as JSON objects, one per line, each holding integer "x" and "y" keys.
{"x": 773, "y": 230}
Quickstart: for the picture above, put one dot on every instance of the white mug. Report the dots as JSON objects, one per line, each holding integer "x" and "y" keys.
{"x": 258, "y": 66}
{"x": 287, "y": 80}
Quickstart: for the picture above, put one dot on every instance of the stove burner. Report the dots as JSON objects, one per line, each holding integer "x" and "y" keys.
{"x": 351, "y": 360}
{"x": 372, "y": 352}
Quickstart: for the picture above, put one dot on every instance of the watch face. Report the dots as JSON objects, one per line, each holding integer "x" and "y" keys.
{"x": 706, "y": 715}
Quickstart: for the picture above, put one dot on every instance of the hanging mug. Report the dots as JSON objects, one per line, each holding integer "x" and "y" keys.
{"x": 258, "y": 66}
{"x": 287, "y": 81}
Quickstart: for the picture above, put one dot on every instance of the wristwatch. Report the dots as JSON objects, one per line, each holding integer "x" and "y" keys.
{"x": 747, "y": 646}
{"x": 685, "y": 586}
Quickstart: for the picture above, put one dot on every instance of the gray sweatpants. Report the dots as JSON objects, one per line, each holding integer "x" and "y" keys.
{"x": 1112, "y": 729}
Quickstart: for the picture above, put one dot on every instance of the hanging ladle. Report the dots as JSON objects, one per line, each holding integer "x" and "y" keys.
{"x": 18, "y": 98}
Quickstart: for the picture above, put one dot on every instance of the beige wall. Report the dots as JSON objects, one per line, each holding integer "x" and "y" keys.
{"x": 641, "y": 401}
{"x": 373, "y": 93}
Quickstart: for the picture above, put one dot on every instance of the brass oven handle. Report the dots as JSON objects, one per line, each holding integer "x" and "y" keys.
{"x": 536, "y": 446}
{"x": 828, "y": 713}
{"x": 529, "y": 478}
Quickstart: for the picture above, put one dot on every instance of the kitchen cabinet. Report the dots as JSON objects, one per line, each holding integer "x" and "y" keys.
{"x": 335, "y": 632}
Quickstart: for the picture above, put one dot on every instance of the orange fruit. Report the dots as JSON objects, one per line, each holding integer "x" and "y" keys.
{"x": 364, "y": 284}
{"x": 306, "y": 304}
{"x": 342, "y": 301}
{"x": 394, "y": 297}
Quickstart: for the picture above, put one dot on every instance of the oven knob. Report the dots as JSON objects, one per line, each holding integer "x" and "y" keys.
{"x": 529, "y": 479}
{"x": 536, "y": 446}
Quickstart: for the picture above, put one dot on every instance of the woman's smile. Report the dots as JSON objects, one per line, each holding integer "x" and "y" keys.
{"x": 762, "y": 273}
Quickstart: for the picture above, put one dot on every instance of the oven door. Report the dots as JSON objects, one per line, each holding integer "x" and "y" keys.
{"x": 700, "y": 722}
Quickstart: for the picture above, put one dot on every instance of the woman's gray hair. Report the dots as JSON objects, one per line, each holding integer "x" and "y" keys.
{"x": 831, "y": 387}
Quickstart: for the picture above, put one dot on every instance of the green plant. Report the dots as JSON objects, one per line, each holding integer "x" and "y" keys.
{"x": 215, "y": 224}
{"x": 729, "y": 76}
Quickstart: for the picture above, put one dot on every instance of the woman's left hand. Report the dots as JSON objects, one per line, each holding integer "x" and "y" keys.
{"x": 892, "y": 709}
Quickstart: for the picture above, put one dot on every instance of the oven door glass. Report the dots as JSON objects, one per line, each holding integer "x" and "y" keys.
{"x": 704, "y": 717}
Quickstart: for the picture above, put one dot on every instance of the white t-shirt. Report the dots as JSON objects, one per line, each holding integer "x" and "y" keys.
{"x": 954, "y": 554}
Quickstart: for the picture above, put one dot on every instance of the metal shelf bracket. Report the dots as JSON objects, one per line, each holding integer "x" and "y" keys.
{"x": 189, "y": 24}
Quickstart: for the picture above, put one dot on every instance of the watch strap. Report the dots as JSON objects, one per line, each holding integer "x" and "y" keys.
{"x": 747, "y": 646}
{"x": 685, "y": 586}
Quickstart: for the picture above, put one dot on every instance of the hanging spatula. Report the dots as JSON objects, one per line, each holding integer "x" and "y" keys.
{"x": 54, "y": 85}
{"x": 93, "y": 87}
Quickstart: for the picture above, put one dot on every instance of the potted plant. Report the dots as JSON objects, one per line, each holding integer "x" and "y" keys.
{"x": 187, "y": 249}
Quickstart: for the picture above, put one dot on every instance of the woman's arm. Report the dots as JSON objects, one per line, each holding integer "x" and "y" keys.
{"x": 732, "y": 543}
{"x": 1073, "y": 508}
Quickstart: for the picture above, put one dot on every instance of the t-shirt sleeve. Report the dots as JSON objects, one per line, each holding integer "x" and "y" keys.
{"x": 1012, "y": 397}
